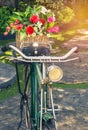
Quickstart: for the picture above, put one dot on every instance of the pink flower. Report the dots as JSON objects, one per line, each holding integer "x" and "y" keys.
{"x": 49, "y": 30}
{"x": 5, "y": 33}
{"x": 51, "y": 19}
{"x": 8, "y": 28}
{"x": 54, "y": 29}
{"x": 19, "y": 26}
{"x": 17, "y": 21}
{"x": 12, "y": 24}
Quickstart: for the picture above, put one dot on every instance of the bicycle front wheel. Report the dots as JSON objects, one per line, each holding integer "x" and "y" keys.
{"x": 34, "y": 109}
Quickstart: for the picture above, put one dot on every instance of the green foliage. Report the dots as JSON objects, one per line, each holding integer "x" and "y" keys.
{"x": 47, "y": 116}
{"x": 64, "y": 15}
{"x": 75, "y": 86}
{"x": 5, "y": 12}
{"x": 9, "y": 92}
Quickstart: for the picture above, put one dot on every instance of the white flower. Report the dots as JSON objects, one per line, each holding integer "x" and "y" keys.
{"x": 48, "y": 35}
{"x": 36, "y": 29}
{"x": 39, "y": 24}
{"x": 48, "y": 11}
{"x": 34, "y": 34}
{"x": 40, "y": 34}
{"x": 54, "y": 16}
{"x": 43, "y": 10}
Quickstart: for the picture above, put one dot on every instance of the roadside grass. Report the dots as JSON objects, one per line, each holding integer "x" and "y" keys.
{"x": 76, "y": 86}
{"x": 13, "y": 90}
{"x": 8, "y": 92}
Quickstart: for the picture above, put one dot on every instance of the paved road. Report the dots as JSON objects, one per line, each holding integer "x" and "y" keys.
{"x": 7, "y": 75}
{"x": 72, "y": 114}
{"x": 76, "y": 71}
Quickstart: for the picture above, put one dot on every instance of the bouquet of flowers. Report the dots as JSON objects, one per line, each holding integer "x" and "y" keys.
{"x": 33, "y": 21}
{"x": 36, "y": 21}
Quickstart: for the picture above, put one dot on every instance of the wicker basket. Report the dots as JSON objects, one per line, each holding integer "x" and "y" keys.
{"x": 29, "y": 40}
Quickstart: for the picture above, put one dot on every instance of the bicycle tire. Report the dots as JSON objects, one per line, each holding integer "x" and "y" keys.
{"x": 32, "y": 121}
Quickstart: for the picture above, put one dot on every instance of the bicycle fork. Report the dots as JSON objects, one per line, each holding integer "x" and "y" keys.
{"x": 43, "y": 108}
{"x": 52, "y": 103}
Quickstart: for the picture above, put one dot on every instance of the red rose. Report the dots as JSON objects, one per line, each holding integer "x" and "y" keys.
{"x": 19, "y": 26}
{"x": 30, "y": 30}
{"x": 34, "y": 19}
{"x": 42, "y": 21}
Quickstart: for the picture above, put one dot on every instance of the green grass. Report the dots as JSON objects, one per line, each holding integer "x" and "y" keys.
{"x": 8, "y": 92}
{"x": 13, "y": 90}
{"x": 80, "y": 86}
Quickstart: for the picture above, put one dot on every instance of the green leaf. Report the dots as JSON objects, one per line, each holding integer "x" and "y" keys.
{"x": 47, "y": 116}
{"x": 20, "y": 18}
{"x": 28, "y": 9}
{"x": 18, "y": 13}
{"x": 22, "y": 35}
{"x": 26, "y": 22}
{"x": 12, "y": 18}
{"x": 12, "y": 31}
{"x": 38, "y": 9}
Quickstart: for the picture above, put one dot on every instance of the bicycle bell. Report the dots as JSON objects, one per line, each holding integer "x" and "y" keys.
{"x": 55, "y": 73}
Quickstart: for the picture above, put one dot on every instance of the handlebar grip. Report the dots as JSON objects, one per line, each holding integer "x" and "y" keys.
{"x": 74, "y": 49}
{"x": 5, "y": 48}
{"x": 77, "y": 49}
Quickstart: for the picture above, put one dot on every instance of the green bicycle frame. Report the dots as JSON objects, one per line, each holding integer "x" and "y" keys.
{"x": 38, "y": 103}
{"x": 35, "y": 82}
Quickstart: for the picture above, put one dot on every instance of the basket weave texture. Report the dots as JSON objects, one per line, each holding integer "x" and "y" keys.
{"x": 29, "y": 40}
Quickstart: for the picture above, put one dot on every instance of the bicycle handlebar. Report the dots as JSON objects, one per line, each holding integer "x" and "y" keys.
{"x": 44, "y": 58}
{"x": 27, "y": 57}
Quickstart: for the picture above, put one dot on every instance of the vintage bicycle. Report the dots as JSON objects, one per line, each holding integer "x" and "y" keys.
{"x": 37, "y": 103}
